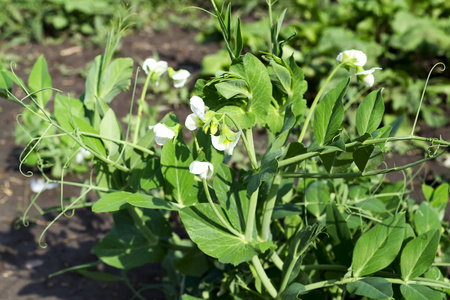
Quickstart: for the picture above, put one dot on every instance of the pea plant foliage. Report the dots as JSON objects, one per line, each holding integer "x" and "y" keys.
{"x": 311, "y": 215}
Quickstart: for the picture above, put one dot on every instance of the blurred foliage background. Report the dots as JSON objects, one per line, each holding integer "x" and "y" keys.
{"x": 404, "y": 37}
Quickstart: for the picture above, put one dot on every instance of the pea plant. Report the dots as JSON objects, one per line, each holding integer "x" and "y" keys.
{"x": 310, "y": 215}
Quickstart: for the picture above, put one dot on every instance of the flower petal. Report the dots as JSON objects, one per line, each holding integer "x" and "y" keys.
{"x": 365, "y": 72}
{"x": 233, "y": 144}
{"x": 203, "y": 169}
{"x": 216, "y": 144}
{"x": 198, "y": 107}
{"x": 180, "y": 77}
{"x": 193, "y": 122}
{"x": 352, "y": 57}
{"x": 162, "y": 133}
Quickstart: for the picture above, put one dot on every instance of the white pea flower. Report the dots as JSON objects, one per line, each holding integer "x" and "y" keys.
{"x": 157, "y": 67}
{"x": 81, "y": 155}
{"x": 197, "y": 118}
{"x": 39, "y": 185}
{"x": 203, "y": 169}
{"x": 354, "y": 58}
{"x": 180, "y": 77}
{"x": 366, "y": 77}
{"x": 226, "y": 141}
{"x": 162, "y": 133}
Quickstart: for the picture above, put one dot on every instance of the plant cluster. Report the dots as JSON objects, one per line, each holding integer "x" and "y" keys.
{"x": 399, "y": 36}
{"x": 311, "y": 215}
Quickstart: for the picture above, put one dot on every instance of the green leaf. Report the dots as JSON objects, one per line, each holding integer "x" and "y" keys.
{"x": 93, "y": 83}
{"x": 300, "y": 87}
{"x": 175, "y": 160}
{"x": 378, "y": 247}
{"x": 284, "y": 210}
{"x": 238, "y": 43}
{"x": 292, "y": 291}
{"x": 268, "y": 170}
{"x": 111, "y": 129}
{"x": 368, "y": 158}
{"x": 232, "y": 196}
{"x": 439, "y": 199}
{"x": 117, "y": 78}
{"x": 338, "y": 230}
{"x": 280, "y": 76}
{"x": 317, "y": 195}
{"x": 329, "y": 113}
{"x": 94, "y": 145}
{"x": 426, "y": 218}
{"x": 419, "y": 254}
{"x": 193, "y": 263}
{"x": 233, "y": 88}
{"x": 419, "y": 292}
{"x": 371, "y": 287}
{"x": 370, "y": 113}
{"x": 119, "y": 200}
{"x": 125, "y": 247}
{"x": 40, "y": 79}
{"x": 6, "y": 82}
{"x": 151, "y": 176}
{"x": 205, "y": 229}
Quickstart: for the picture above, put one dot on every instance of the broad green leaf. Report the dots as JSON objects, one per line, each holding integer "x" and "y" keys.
{"x": 268, "y": 170}
{"x": 64, "y": 108}
{"x": 151, "y": 176}
{"x": 231, "y": 196}
{"x": 125, "y": 247}
{"x": 300, "y": 87}
{"x": 440, "y": 199}
{"x": 329, "y": 113}
{"x": 292, "y": 291}
{"x": 233, "y": 88}
{"x": 206, "y": 230}
{"x": 368, "y": 158}
{"x": 175, "y": 160}
{"x": 280, "y": 77}
{"x": 94, "y": 144}
{"x": 371, "y": 287}
{"x": 284, "y": 210}
{"x": 378, "y": 247}
{"x": 40, "y": 79}
{"x": 317, "y": 195}
{"x": 370, "y": 113}
{"x": 373, "y": 205}
{"x": 193, "y": 263}
{"x": 338, "y": 230}
{"x": 110, "y": 128}
{"x": 119, "y": 200}
{"x": 419, "y": 254}
{"x": 93, "y": 81}
{"x": 426, "y": 218}
{"x": 117, "y": 78}
{"x": 6, "y": 83}
{"x": 419, "y": 292}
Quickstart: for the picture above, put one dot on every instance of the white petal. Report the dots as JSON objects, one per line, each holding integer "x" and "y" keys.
{"x": 368, "y": 80}
{"x": 162, "y": 133}
{"x": 203, "y": 169}
{"x": 230, "y": 147}
{"x": 355, "y": 57}
{"x": 365, "y": 72}
{"x": 216, "y": 144}
{"x": 39, "y": 185}
{"x": 180, "y": 78}
{"x": 151, "y": 65}
{"x": 193, "y": 122}
{"x": 198, "y": 107}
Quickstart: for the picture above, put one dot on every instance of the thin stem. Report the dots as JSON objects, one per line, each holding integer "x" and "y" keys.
{"x": 140, "y": 106}
{"x": 359, "y": 174}
{"x": 218, "y": 215}
{"x": 268, "y": 210}
{"x": 251, "y": 215}
{"x": 250, "y": 146}
{"x": 146, "y": 232}
{"x": 263, "y": 276}
{"x": 316, "y": 100}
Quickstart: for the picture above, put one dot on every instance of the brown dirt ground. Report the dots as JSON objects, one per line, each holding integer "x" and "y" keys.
{"x": 24, "y": 266}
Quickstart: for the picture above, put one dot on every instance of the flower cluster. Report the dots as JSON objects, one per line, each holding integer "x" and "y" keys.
{"x": 156, "y": 69}
{"x": 226, "y": 141}
{"x": 357, "y": 59}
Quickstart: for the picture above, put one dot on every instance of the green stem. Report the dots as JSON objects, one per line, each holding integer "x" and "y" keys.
{"x": 277, "y": 260}
{"x": 314, "y": 104}
{"x": 140, "y": 106}
{"x": 146, "y": 232}
{"x": 250, "y": 146}
{"x": 302, "y": 157}
{"x": 263, "y": 277}
{"x": 358, "y": 174}
{"x": 251, "y": 215}
{"x": 268, "y": 210}
{"x": 218, "y": 215}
